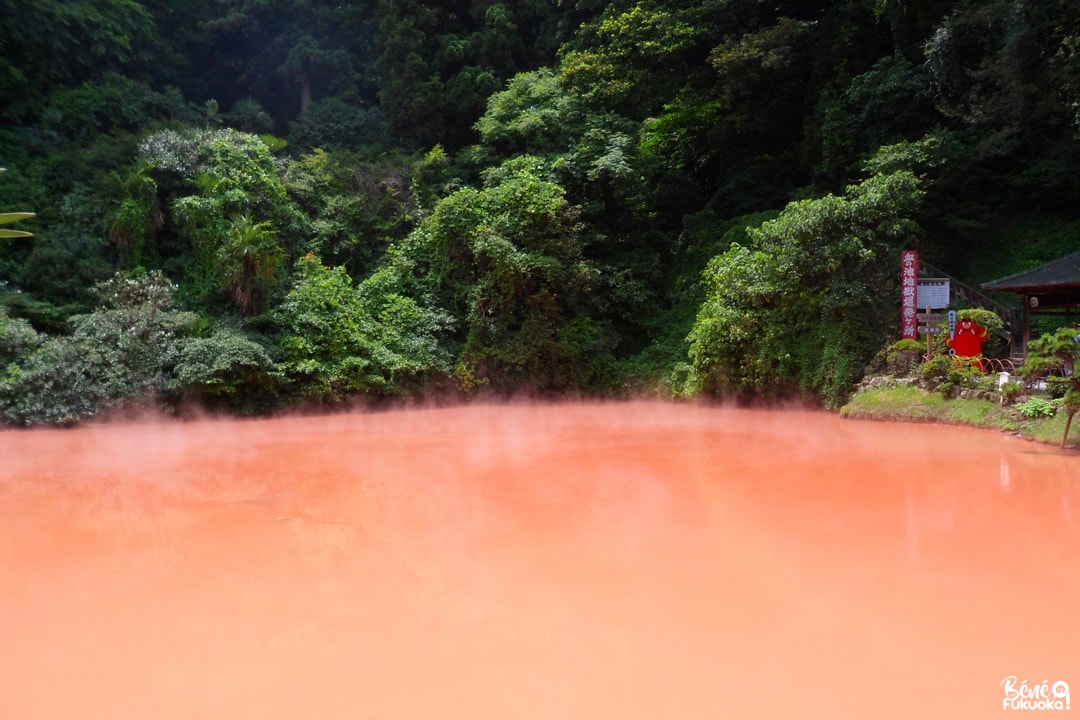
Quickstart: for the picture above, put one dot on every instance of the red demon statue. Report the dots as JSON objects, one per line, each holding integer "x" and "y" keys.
{"x": 968, "y": 340}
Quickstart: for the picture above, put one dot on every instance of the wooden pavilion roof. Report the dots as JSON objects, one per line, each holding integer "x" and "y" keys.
{"x": 1057, "y": 276}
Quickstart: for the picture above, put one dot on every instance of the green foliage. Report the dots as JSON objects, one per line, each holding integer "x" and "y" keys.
{"x": 121, "y": 352}
{"x": 139, "y": 214}
{"x": 72, "y": 252}
{"x": 535, "y": 114}
{"x": 51, "y": 44}
{"x": 230, "y": 206}
{"x": 248, "y": 115}
{"x": 111, "y": 104}
{"x": 1037, "y": 407}
{"x": 1010, "y": 390}
{"x": 339, "y": 341}
{"x": 888, "y": 104}
{"x": 1060, "y": 349}
{"x": 1052, "y": 352}
{"x": 17, "y": 338}
{"x": 593, "y": 155}
{"x": 804, "y": 306}
{"x": 989, "y": 59}
{"x": 630, "y": 55}
{"x": 961, "y": 376}
{"x": 356, "y": 207}
{"x": 338, "y": 124}
{"x": 227, "y": 370}
{"x": 506, "y": 262}
{"x": 936, "y": 369}
{"x": 903, "y": 357}
{"x": 439, "y": 63}
{"x": 6, "y": 218}
{"x": 248, "y": 262}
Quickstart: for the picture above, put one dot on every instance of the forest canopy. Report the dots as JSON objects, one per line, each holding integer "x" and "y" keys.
{"x": 253, "y": 204}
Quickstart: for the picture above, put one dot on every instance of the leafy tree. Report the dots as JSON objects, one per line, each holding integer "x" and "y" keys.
{"x": 912, "y": 22}
{"x": 227, "y": 369}
{"x": 593, "y": 155}
{"x": 124, "y": 351}
{"x": 630, "y": 58}
{"x": 287, "y": 54}
{"x": 338, "y": 342}
{"x": 506, "y": 262}
{"x": 990, "y": 62}
{"x": 356, "y": 207}
{"x": 72, "y": 253}
{"x": 139, "y": 215}
{"x": 806, "y": 303}
{"x": 17, "y": 339}
{"x": 437, "y": 64}
{"x": 1053, "y": 351}
{"x": 220, "y": 181}
{"x": 339, "y": 123}
{"x": 889, "y": 103}
{"x": 60, "y": 44}
{"x": 113, "y": 103}
{"x": 248, "y": 115}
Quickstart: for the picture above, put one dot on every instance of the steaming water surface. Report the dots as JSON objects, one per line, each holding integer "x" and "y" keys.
{"x": 636, "y": 560}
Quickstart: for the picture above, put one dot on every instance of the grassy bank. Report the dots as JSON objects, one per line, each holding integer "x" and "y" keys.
{"x": 912, "y": 404}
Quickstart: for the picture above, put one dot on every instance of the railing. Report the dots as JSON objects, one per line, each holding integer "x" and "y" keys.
{"x": 972, "y": 297}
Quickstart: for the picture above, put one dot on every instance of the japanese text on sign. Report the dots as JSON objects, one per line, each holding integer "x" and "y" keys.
{"x": 909, "y": 283}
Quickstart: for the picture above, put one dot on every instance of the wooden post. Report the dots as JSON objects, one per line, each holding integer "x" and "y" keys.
{"x": 929, "y": 340}
{"x": 1027, "y": 324}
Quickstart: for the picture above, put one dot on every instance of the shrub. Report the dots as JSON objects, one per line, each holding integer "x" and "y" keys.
{"x": 958, "y": 378}
{"x": 1010, "y": 391}
{"x": 903, "y": 357}
{"x": 934, "y": 371}
{"x": 120, "y": 353}
{"x": 226, "y": 369}
{"x": 1037, "y": 407}
{"x": 340, "y": 340}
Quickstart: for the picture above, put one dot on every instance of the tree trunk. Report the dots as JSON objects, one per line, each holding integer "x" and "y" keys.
{"x": 1068, "y": 422}
{"x": 305, "y": 93}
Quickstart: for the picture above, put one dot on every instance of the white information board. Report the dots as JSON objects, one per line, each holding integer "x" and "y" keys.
{"x": 933, "y": 293}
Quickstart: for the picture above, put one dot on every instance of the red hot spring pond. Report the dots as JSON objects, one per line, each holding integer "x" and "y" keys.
{"x": 594, "y": 561}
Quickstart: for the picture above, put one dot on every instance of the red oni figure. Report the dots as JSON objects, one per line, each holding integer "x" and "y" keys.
{"x": 968, "y": 340}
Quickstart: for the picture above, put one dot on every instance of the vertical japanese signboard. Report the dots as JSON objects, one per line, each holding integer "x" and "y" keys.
{"x": 909, "y": 285}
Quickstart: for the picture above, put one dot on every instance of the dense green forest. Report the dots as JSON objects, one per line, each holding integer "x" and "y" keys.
{"x": 247, "y": 205}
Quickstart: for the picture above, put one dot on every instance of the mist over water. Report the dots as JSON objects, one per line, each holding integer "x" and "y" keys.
{"x": 633, "y": 560}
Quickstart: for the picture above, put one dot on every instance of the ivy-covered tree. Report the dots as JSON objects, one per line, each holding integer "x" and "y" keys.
{"x": 227, "y": 211}
{"x": 805, "y": 304}
{"x": 506, "y": 262}
{"x": 339, "y": 341}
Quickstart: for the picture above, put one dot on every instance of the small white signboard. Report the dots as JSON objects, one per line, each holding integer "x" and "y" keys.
{"x": 933, "y": 293}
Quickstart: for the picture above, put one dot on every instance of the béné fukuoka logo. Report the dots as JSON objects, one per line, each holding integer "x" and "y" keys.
{"x": 1040, "y": 696}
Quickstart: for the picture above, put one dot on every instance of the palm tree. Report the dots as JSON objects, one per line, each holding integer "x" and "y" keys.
{"x": 248, "y": 261}
{"x": 10, "y": 217}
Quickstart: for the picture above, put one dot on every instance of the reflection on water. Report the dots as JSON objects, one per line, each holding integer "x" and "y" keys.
{"x": 636, "y": 560}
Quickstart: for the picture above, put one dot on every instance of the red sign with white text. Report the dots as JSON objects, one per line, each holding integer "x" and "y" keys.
{"x": 909, "y": 288}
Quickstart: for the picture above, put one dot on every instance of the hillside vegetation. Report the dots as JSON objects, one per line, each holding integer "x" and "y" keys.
{"x": 254, "y": 204}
